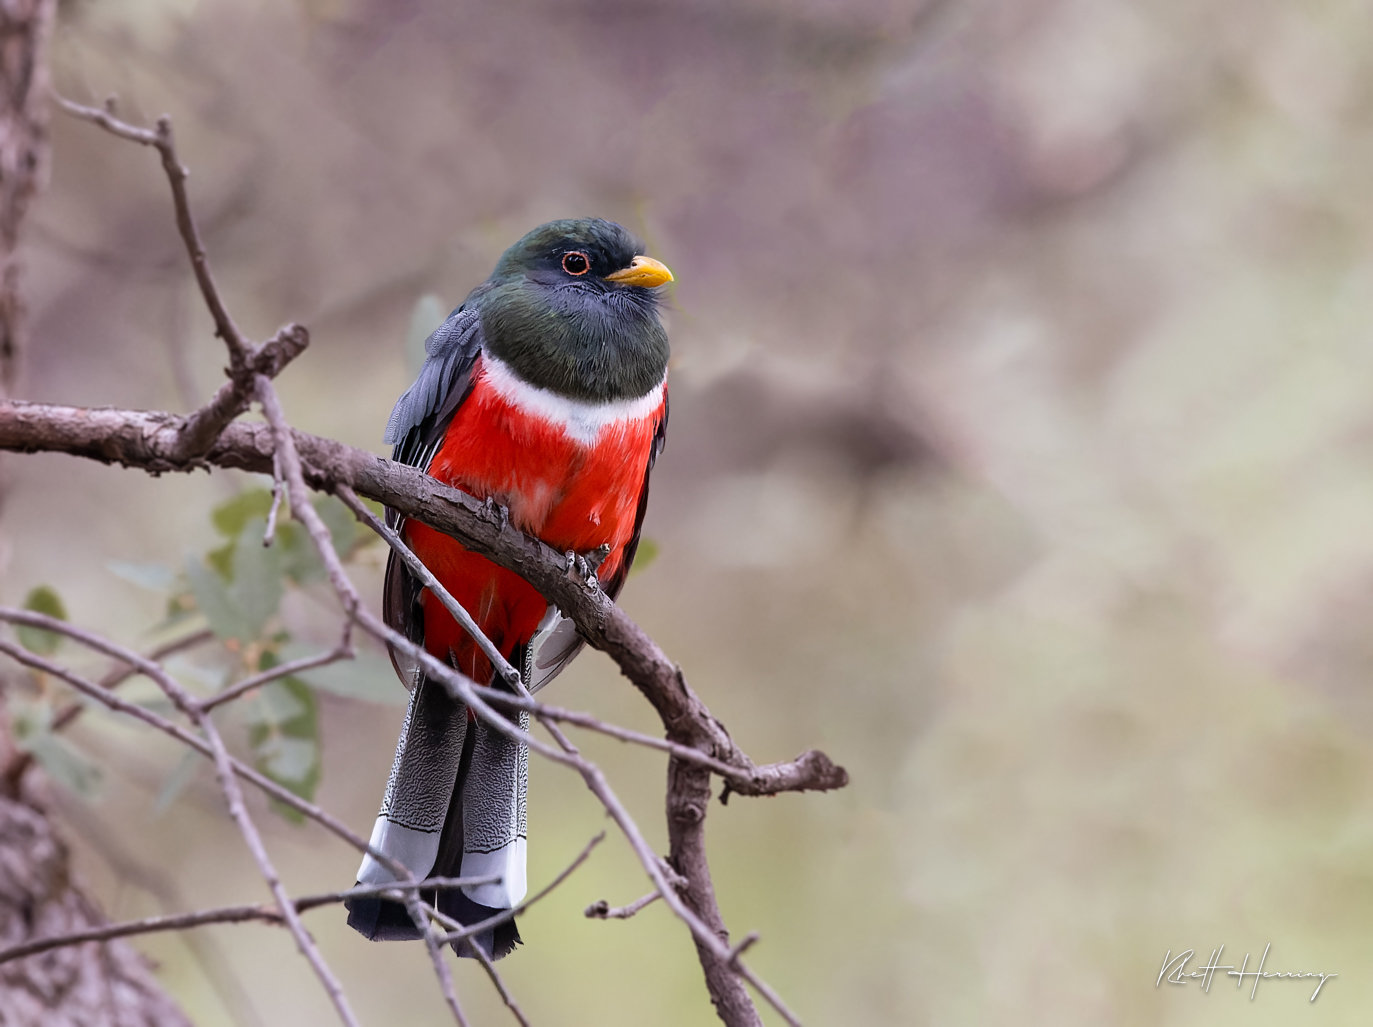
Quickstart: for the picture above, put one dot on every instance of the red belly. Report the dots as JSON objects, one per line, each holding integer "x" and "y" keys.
{"x": 570, "y": 494}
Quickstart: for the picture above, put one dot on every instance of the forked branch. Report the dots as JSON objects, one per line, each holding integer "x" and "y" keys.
{"x": 697, "y": 744}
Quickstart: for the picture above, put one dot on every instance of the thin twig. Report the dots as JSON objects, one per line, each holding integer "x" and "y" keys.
{"x": 161, "y": 140}
{"x": 281, "y": 670}
{"x": 497, "y": 981}
{"x": 421, "y": 921}
{"x": 226, "y": 915}
{"x": 141, "y": 713}
{"x": 270, "y": 532}
{"x": 299, "y": 495}
{"x": 238, "y": 811}
{"x": 24, "y": 759}
{"x": 591, "y": 723}
{"x": 150, "y": 925}
{"x": 470, "y": 930}
{"x": 429, "y": 581}
{"x": 603, "y": 910}
{"x": 749, "y": 941}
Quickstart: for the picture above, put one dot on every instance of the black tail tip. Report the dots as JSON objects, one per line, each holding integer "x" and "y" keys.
{"x": 497, "y": 942}
{"x": 384, "y": 920}
{"x": 381, "y": 919}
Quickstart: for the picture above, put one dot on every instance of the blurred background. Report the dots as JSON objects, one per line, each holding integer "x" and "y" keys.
{"x": 1019, "y": 459}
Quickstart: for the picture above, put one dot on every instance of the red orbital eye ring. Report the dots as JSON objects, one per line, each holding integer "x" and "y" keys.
{"x": 576, "y": 263}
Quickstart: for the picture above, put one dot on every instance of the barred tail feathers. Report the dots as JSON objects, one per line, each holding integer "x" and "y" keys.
{"x": 455, "y": 806}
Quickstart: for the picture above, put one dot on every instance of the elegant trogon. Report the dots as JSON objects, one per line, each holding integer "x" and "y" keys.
{"x": 546, "y": 392}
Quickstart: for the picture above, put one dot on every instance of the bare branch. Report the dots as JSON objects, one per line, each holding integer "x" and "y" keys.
{"x": 284, "y": 452}
{"x": 602, "y": 910}
{"x": 420, "y": 571}
{"x": 135, "y": 439}
{"x": 228, "y": 915}
{"x": 119, "y": 705}
{"x": 161, "y": 140}
{"x": 281, "y": 670}
{"x": 269, "y": 533}
{"x": 23, "y": 760}
{"x": 233, "y": 795}
{"x": 460, "y": 932}
{"x": 198, "y": 431}
{"x": 441, "y": 972}
{"x": 497, "y": 981}
{"x": 591, "y": 723}
{"x": 150, "y": 925}
{"x": 144, "y": 440}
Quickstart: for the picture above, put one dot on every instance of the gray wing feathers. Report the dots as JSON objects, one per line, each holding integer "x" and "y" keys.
{"x": 452, "y": 350}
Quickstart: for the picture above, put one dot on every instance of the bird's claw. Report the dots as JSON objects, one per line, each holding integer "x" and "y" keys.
{"x": 495, "y": 511}
{"x": 584, "y": 567}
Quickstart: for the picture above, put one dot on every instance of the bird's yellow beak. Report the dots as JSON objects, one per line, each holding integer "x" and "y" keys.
{"x": 644, "y": 272}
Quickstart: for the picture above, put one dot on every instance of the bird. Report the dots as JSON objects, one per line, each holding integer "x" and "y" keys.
{"x": 544, "y": 392}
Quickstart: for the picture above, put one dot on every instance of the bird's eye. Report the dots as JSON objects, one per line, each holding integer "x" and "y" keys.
{"x": 576, "y": 263}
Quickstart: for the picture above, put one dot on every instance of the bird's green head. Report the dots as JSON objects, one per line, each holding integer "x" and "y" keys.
{"x": 571, "y": 308}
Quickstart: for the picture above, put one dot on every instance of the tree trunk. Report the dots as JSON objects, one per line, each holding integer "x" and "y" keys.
{"x": 93, "y": 985}
{"x": 24, "y": 29}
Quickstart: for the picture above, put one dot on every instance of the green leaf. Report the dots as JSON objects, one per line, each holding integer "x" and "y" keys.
{"x": 239, "y": 605}
{"x": 256, "y": 588}
{"x": 155, "y": 577}
{"x": 45, "y": 600}
{"x": 222, "y": 559}
{"x": 212, "y": 597}
{"x": 299, "y": 560}
{"x": 283, "y": 733}
{"x": 66, "y": 764}
{"x": 229, "y": 518}
{"x": 31, "y": 727}
{"x": 428, "y": 313}
{"x": 367, "y": 676}
{"x": 181, "y": 606}
{"x": 645, "y": 555}
{"x": 181, "y": 776}
{"x": 342, "y": 525}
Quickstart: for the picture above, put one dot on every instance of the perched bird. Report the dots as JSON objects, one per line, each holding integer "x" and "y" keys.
{"x": 545, "y": 392}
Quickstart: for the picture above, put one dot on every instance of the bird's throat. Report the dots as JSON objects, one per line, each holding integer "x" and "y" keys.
{"x": 596, "y": 345}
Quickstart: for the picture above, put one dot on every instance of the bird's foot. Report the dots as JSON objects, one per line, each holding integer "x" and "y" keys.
{"x": 498, "y": 512}
{"x": 584, "y": 567}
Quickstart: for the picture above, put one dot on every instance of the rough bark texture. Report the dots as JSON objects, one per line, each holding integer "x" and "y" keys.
{"x": 24, "y": 29}
{"x": 149, "y": 440}
{"x": 96, "y": 985}
{"x": 688, "y": 798}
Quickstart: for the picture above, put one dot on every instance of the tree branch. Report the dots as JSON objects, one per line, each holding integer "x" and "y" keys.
{"x": 145, "y": 440}
{"x": 161, "y": 140}
{"x": 226, "y": 770}
{"x": 228, "y": 915}
{"x": 23, "y": 760}
{"x": 112, "y": 701}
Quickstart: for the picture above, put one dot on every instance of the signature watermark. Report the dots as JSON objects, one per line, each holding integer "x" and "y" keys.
{"x": 1175, "y": 971}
